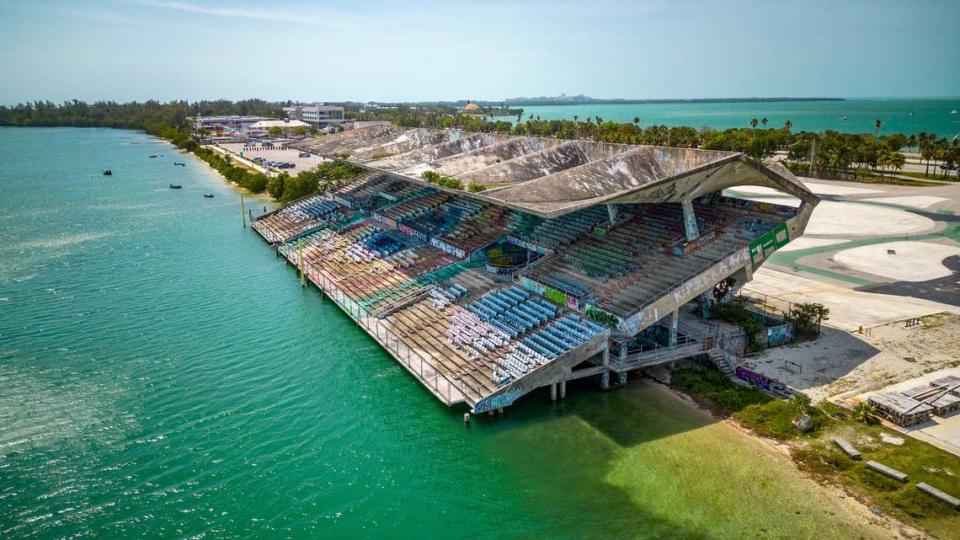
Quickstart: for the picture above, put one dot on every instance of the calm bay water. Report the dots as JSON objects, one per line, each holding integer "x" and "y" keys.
{"x": 898, "y": 115}
{"x": 162, "y": 374}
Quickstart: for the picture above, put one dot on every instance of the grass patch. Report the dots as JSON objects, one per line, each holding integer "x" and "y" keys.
{"x": 931, "y": 176}
{"x": 921, "y": 461}
{"x": 774, "y": 419}
{"x": 719, "y": 392}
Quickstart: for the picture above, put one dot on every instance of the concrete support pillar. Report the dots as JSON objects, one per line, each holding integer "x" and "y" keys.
{"x": 605, "y": 376}
{"x": 563, "y": 389}
{"x": 704, "y": 301}
{"x": 690, "y": 221}
{"x": 622, "y": 378}
{"x": 674, "y": 322}
{"x": 553, "y": 392}
{"x": 613, "y": 211}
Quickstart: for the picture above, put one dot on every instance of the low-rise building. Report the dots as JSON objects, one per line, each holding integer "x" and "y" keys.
{"x": 317, "y": 115}
{"x": 901, "y": 408}
{"x": 286, "y": 127}
{"x": 226, "y": 124}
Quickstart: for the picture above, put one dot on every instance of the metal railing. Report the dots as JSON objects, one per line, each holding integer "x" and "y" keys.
{"x": 431, "y": 376}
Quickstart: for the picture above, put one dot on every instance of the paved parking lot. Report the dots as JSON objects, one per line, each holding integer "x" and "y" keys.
{"x": 287, "y": 155}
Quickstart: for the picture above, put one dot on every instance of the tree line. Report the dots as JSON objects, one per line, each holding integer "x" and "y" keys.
{"x": 149, "y": 115}
{"x": 830, "y": 154}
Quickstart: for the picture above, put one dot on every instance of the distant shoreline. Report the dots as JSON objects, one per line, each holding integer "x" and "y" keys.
{"x": 534, "y": 102}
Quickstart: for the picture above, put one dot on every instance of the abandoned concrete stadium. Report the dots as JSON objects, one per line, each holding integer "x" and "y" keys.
{"x": 575, "y": 260}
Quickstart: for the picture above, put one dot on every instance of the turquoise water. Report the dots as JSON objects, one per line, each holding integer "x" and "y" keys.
{"x": 162, "y": 374}
{"x": 898, "y": 115}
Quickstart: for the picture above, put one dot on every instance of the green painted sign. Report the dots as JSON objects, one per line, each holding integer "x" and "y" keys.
{"x": 764, "y": 245}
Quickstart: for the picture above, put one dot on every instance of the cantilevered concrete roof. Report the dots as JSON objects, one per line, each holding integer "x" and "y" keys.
{"x": 552, "y": 177}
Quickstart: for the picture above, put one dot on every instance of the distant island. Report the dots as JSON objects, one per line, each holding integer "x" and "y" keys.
{"x": 564, "y": 99}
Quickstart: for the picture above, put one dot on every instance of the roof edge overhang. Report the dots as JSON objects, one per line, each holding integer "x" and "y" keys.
{"x": 725, "y": 172}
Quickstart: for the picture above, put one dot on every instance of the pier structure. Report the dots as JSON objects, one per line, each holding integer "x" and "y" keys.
{"x": 558, "y": 260}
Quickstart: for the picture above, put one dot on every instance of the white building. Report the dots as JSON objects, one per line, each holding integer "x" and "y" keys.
{"x": 229, "y": 124}
{"x": 317, "y": 115}
{"x": 287, "y": 127}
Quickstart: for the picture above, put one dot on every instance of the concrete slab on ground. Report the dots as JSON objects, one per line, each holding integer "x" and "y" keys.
{"x": 900, "y": 261}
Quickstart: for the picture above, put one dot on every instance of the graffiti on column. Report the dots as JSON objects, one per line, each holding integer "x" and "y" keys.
{"x": 690, "y": 221}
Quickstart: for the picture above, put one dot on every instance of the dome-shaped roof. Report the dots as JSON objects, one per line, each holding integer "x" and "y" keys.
{"x": 471, "y": 107}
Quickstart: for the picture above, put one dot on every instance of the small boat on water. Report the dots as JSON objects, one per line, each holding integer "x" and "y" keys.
{"x": 953, "y": 111}
{"x": 180, "y": 163}
{"x": 152, "y": 156}
{"x": 107, "y": 172}
{"x": 176, "y": 186}
{"x": 844, "y": 117}
{"x": 208, "y": 195}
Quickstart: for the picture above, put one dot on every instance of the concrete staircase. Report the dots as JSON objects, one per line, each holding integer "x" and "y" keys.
{"x": 719, "y": 359}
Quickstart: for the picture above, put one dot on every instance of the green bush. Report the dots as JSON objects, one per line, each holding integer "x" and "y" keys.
{"x": 275, "y": 185}
{"x": 710, "y": 383}
{"x": 736, "y": 312}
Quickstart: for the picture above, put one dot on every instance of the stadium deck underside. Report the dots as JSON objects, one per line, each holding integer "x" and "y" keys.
{"x": 575, "y": 251}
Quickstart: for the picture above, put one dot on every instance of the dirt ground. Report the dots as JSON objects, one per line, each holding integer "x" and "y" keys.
{"x": 842, "y": 364}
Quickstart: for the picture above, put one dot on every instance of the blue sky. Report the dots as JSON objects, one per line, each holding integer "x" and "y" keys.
{"x": 408, "y": 51}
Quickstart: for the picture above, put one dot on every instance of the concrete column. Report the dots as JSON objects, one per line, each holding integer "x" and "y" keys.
{"x": 605, "y": 376}
{"x": 690, "y": 221}
{"x": 622, "y": 378}
{"x": 613, "y": 211}
{"x": 674, "y": 321}
{"x": 553, "y": 392}
{"x": 563, "y": 389}
{"x": 704, "y": 301}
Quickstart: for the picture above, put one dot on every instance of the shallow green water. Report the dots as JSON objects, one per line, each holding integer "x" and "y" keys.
{"x": 162, "y": 374}
{"x": 898, "y": 115}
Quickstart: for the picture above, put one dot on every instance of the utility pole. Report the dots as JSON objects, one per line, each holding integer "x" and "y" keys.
{"x": 243, "y": 212}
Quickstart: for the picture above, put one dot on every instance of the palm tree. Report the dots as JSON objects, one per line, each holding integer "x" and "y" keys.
{"x": 764, "y": 121}
{"x": 896, "y": 160}
{"x": 575, "y": 118}
{"x": 865, "y": 412}
{"x": 788, "y": 124}
{"x": 636, "y": 120}
{"x": 753, "y": 123}
{"x": 876, "y": 124}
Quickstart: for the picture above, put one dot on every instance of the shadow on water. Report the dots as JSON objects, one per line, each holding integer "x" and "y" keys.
{"x": 564, "y": 452}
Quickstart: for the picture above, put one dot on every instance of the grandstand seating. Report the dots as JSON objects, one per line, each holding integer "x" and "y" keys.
{"x": 298, "y": 217}
{"x": 640, "y": 258}
{"x": 485, "y": 341}
{"x": 513, "y": 310}
{"x": 563, "y": 230}
{"x": 541, "y": 346}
